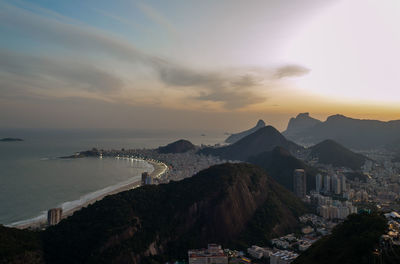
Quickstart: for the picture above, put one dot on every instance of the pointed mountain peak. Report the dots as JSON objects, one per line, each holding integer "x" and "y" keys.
{"x": 238, "y": 136}
{"x": 260, "y": 123}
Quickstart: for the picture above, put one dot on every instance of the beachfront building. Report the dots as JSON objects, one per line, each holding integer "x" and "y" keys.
{"x": 54, "y": 216}
{"x": 147, "y": 178}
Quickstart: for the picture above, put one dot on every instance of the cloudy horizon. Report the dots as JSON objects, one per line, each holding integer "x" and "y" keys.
{"x": 159, "y": 65}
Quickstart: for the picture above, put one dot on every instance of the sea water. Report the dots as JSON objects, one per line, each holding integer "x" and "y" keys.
{"x": 33, "y": 179}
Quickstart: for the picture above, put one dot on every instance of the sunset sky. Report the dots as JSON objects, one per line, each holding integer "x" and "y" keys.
{"x": 193, "y": 64}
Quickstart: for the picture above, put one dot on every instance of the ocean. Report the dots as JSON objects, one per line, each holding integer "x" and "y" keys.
{"x": 33, "y": 179}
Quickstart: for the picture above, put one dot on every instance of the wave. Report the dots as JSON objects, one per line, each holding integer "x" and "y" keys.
{"x": 69, "y": 205}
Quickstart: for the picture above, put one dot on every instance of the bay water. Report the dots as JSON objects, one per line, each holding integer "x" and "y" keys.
{"x": 33, "y": 179}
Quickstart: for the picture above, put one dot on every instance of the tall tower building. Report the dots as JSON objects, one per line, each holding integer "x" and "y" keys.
{"x": 54, "y": 216}
{"x": 336, "y": 184}
{"x": 343, "y": 181}
{"x": 327, "y": 183}
{"x": 144, "y": 177}
{"x": 318, "y": 183}
{"x": 299, "y": 183}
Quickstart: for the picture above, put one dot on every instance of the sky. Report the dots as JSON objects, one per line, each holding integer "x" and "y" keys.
{"x": 210, "y": 64}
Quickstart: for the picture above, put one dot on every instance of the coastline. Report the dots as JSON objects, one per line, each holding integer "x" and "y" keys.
{"x": 159, "y": 168}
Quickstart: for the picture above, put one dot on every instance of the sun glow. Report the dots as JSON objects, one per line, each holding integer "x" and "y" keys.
{"x": 353, "y": 51}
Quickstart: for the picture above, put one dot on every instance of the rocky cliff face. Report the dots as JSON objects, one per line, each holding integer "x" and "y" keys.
{"x": 350, "y": 132}
{"x": 227, "y": 204}
{"x": 302, "y": 122}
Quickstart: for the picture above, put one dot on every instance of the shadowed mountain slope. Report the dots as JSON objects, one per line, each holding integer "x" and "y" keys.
{"x": 264, "y": 139}
{"x": 231, "y": 204}
{"x": 331, "y": 152}
{"x": 280, "y": 164}
{"x": 238, "y": 136}
{"x": 350, "y": 132}
{"x": 302, "y": 122}
{"x": 353, "y": 241}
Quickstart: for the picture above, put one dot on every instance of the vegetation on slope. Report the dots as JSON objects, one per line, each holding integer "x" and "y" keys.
{"x": 280, "y": 164}
{"x": 19, "y": 246}
{"x": 353, "y": 241}
{"x": 331, "y": 152}
{"x": 229, "y": 203}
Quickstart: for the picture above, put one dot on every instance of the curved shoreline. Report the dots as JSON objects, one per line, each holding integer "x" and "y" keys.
{"x": 40, "y": 221}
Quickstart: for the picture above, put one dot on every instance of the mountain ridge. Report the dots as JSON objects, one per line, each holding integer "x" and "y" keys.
{"x": 264, "y": 139}
{"x": 238, "y": 136}
{"x": 350, "y": 132}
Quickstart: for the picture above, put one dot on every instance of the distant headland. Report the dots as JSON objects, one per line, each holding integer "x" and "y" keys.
{"x": 10, "y": 139}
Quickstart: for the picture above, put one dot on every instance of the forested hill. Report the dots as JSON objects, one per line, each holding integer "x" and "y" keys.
{"x": 231, "y": 204}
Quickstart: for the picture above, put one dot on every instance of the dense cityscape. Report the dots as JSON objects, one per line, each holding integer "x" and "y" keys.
{"x": 374, "y": 187}
{"x": 199, "y": 132}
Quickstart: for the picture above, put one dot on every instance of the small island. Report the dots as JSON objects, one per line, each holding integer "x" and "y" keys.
{"x": 10, "y": 139}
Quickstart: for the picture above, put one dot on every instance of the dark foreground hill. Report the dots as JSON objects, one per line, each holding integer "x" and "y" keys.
{"x": 231, "y": 204}
{"x": 179, "y": 146}
{"x": 264, "y": 139}
{"x": 331, "y": 152}
{"x": 351, "y": 242}
{"x": 280, "y": 164}
{"x": 20, "y": 246}
{"x": 350, "y": 132}
{"x": 238, "y": 136}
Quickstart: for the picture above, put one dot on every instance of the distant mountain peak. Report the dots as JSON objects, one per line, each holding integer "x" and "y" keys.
{"x": 337, "y": 117}
{"x": 348, "y": 131}
{"x": 263, "y": 139}
{"x": 303, "y": 115}
{"x": 238, "y": 136}
{"x": 300, "y": 123}
{"x": 260, "y": 123}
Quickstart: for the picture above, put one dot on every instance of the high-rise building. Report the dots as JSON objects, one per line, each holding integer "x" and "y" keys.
{"x": 343, "y": 181}
{"x": 299, "y": 183}
{"x": 149, "y": 180}
{"x": 144, "y": 177}
{"x": 327, "y": 183}
{"x": 318, "y": 183}
{"x": 336, "y": 184}
{"x": 54, "y": 216}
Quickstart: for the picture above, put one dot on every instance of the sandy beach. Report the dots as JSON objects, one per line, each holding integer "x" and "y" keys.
{"x": 159, "y": 169}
